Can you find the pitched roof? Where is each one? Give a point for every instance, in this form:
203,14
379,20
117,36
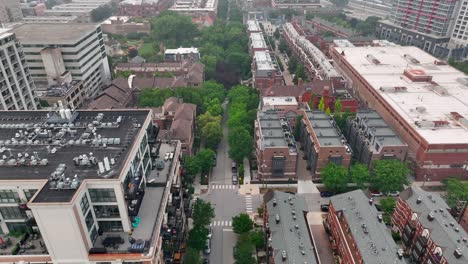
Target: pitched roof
185,112
116,95
181,129
137,59
171,104
284,90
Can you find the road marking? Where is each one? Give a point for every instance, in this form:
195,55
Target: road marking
222,187
221,223
248,204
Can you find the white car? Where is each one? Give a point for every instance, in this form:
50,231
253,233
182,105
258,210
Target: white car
376,194
166,157
393,194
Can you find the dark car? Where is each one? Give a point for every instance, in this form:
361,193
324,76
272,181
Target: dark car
326,194
324,207
206,261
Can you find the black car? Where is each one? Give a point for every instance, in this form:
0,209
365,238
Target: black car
206,261
326,194
324,207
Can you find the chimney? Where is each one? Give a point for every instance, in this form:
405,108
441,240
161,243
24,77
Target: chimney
299,82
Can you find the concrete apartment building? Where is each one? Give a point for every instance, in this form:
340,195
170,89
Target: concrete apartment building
80,8
122,25
50,19
143,8
380,8
429,233
265,71
371,138
276,149
358,232
287,230
421,98
70,94
18,91
424,24
56,52
10,11
81,197
322,142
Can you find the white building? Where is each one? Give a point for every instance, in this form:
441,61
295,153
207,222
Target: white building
56,51
195,7
460,30
16,85
94,199
80,8
49,19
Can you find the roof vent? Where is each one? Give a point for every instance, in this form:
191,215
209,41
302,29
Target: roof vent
430,216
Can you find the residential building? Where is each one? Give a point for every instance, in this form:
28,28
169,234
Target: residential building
265,71
315,62
276,149
253,27
33,8
289,237
285,107
331,94
358,232
70,94
16,85
118,95
143,8
97,202
429,233
49,19
371,138
196,8
424,24
269,27
407,87
257,43
297,5
69,49
177,120
121,25
322,142
379,8
181,54
10,11
80,8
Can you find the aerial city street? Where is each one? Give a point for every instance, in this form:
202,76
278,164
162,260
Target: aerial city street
234,131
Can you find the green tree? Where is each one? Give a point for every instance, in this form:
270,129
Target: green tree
389,175
276,34
340,3
213,106
191,167
197,237
132,52
174,30
338,106
456,191
328,112
101,13
341,117
50,3
205,159
298,127
206,118
257,237
292,65
283,46
387,205
242,223
359,174
321,105
244,250
212,134
202,213
240,144
334,177
192,256
123,74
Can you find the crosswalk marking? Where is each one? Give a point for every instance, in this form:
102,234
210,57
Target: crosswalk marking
221,223
223,187
248,204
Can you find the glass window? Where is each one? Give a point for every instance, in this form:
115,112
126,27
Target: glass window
94,234
110,226
89,220
12,212
9,196
102,195
29,193
106,211
84,204
17,227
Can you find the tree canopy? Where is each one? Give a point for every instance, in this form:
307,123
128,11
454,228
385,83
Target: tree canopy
101,13
192,256
240,144
174,30
456,191
197,237
242,223
359,174
202,213
389,175
335,177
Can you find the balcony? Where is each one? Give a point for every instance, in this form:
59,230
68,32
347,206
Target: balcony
435,258
25,244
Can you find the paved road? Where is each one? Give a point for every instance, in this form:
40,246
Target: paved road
227,201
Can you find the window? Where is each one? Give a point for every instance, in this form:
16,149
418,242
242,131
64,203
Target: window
89,220
110,226
102,195
12,212
9,196
106,211
84,204
17,227
29,193
94,234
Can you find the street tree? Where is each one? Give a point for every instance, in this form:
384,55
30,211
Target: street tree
389,175
101,13
244,248
359,174
202,213
387,205
191,168
197,237
242,223
192,256
257,237
205,159
206,118
213,106
335,177
240,144
174,30
212,134
457,191
338,106
321,105
276,34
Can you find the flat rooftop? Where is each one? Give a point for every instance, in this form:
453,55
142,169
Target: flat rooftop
263,61
443,229
252,25
325,129
275,131
436,109
257,41
51,34
280,100
41,145
291,233
373,240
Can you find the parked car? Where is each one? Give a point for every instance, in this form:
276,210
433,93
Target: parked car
376,193
207,249
166,156
234,179
210,232
234,251
393,194
326,194
206,261
324,207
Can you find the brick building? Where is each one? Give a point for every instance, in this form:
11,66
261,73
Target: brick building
276,148
429,233
143,8
421,98
257,43
358,232
322,141
121,25
265,71
371,138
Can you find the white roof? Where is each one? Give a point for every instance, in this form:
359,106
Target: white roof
279,100
124,19
263,61
420,104
181,51
342,43
252,25
257,41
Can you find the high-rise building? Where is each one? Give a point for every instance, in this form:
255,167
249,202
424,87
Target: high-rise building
57,53
16,85
460,29
427,24
10,11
